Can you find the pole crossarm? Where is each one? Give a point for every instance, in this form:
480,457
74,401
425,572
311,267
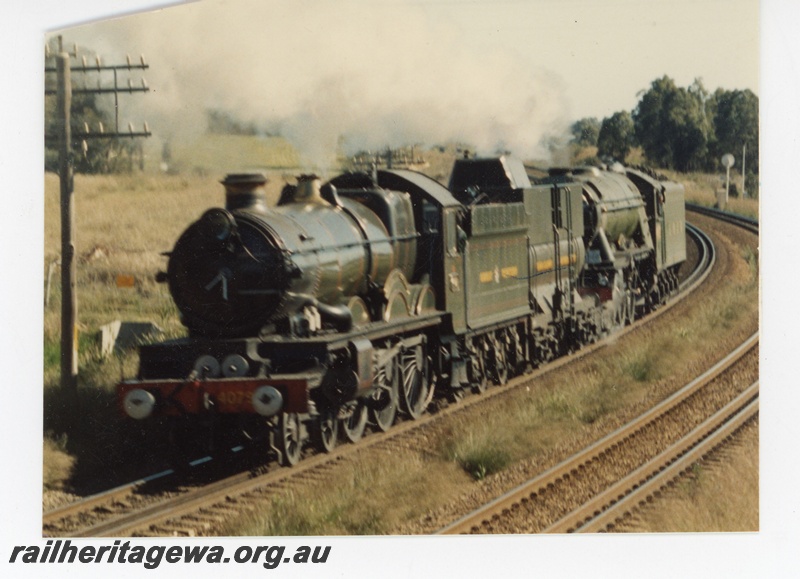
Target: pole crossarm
119,135
86,136
107,90
87,68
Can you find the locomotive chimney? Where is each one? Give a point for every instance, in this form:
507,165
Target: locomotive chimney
308,190
245,191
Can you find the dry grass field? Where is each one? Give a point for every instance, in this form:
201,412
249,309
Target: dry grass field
702,188
124,222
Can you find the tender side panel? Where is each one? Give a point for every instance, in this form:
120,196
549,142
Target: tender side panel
665,208
674,224
496,264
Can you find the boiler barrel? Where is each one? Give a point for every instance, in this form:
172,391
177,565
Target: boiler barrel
611,203
337,249
231,273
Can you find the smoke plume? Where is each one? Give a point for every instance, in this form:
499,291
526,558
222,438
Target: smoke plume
347,75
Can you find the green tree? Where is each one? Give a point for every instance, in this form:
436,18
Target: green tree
585,132
671,125
616,136
735,120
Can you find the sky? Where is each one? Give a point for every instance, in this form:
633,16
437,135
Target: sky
592,67
617,45
502,75
607,51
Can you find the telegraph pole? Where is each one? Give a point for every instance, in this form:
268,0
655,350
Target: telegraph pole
64,92
69,298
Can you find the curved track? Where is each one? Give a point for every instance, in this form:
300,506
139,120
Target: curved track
637,488
623,446
740,221
113,513
597,487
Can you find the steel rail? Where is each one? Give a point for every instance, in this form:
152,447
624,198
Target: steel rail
217,492
708,257
562,471
747,223
605,509
99,499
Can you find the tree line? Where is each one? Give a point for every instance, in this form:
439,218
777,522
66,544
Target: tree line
685,129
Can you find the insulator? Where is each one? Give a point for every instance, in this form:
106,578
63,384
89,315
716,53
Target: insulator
130,127
86,128
97,60
146,128
128,59
102,128
144,84
84,147
141,57
130,85
83,60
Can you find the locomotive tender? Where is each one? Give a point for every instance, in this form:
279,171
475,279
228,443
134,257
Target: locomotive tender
363,297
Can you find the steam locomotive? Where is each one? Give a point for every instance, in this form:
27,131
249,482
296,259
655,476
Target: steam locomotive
360,299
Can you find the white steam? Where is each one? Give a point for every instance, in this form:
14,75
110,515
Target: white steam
351,74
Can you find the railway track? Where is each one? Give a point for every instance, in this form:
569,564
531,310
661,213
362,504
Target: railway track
740,221
594,489
622,499
98,508
554,488
122,511
97,503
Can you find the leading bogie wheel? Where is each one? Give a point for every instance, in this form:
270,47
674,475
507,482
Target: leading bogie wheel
354,422
324,431
290,438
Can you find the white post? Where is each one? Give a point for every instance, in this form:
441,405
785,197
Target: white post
728,162
744,158
727,183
